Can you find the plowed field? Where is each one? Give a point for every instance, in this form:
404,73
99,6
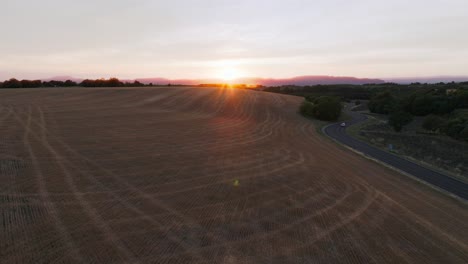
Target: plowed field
202,175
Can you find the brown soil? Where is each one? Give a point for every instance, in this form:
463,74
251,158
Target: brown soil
146,175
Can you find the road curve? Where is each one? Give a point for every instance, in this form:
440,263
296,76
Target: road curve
437,179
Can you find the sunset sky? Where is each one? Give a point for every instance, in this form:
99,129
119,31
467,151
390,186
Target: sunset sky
228,39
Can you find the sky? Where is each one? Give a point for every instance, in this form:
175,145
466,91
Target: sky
228,39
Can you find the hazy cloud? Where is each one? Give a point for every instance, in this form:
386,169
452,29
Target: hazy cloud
178,39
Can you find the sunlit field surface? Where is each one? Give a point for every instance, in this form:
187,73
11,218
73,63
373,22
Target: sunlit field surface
202,175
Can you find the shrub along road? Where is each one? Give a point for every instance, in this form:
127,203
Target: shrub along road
432,177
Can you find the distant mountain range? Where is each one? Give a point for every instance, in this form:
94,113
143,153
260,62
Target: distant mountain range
300,80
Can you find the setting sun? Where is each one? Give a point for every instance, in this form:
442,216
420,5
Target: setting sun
229,73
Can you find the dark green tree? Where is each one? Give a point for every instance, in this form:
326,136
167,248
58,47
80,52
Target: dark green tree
328,108
323,108
462,98
422,105
306,109
455,126
12,83
69,83
399,119
383,103
114,82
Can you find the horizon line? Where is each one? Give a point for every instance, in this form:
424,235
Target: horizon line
71,77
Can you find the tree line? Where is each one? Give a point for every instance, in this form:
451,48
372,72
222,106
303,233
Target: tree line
360,92
445,108
112,82
345,91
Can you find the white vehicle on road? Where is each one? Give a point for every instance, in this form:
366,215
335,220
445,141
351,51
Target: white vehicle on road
343,124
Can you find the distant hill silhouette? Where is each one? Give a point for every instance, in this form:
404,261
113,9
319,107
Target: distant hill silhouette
300,80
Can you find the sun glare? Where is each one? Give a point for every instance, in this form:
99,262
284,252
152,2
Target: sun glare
229,74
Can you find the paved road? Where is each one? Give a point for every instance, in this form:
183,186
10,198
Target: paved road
432,177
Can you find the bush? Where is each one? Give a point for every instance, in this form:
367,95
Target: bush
399,119
306,109
455,127
462,98
422,105
329,109
310,98
464,133
382,103
323,108
443,105
433,123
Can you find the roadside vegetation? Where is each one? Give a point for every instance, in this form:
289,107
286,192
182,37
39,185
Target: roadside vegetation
429,126
443,109
415,143
442,104
362,92
325,108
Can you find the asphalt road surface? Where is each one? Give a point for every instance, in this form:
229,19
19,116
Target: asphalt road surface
432,177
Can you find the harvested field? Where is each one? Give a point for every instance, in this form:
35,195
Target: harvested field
147,176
